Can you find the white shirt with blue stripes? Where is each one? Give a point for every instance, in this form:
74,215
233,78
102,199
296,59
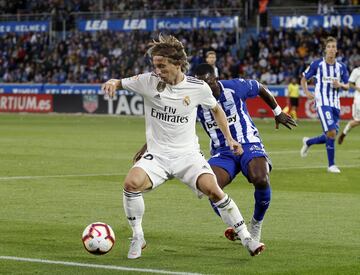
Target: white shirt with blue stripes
232,99
324,74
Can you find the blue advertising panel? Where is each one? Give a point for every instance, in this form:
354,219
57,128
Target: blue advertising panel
24,26
309,22
217,23
115,25
188,23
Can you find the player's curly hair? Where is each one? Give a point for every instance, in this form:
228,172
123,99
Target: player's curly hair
168,46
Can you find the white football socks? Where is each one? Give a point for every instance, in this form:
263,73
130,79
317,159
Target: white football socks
231,215
347,128
134,210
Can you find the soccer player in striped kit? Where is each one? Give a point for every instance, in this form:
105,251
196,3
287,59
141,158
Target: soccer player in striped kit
330,76
254,163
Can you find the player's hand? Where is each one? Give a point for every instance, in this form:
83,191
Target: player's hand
109,87
310,95
336,84
235,147
285,120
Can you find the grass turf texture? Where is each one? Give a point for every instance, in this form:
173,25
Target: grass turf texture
312,226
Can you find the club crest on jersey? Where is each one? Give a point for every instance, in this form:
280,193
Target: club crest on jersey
186,101
255,148
161,86
228,105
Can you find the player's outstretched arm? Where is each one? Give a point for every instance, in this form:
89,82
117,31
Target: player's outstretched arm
222,122
109,87
280,116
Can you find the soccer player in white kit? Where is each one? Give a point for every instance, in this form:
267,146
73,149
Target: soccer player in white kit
171,99
330,76
354,81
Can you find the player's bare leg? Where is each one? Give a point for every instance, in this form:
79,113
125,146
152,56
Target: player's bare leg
136,181
229,212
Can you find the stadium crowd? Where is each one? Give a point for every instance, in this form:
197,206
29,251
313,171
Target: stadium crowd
273,57
68,6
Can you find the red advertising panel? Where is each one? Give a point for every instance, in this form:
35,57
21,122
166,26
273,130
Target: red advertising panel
258,108
26,103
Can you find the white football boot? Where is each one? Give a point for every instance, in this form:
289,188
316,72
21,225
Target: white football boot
305,148
254,247
333,169
137,244
255,229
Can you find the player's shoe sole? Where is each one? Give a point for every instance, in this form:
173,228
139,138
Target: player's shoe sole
231,235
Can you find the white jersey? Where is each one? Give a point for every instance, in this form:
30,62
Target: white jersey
170,111
355,78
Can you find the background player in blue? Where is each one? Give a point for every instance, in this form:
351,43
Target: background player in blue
254,162
330,76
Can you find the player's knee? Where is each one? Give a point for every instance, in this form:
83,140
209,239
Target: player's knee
211,190
132,184
215,196
331,134
260,180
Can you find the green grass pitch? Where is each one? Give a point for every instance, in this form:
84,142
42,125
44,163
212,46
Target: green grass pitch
59,173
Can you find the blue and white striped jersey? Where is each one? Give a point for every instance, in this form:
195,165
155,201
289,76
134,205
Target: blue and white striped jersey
232,99
325,74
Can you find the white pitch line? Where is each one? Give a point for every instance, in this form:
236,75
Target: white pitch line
298,152
315,167
60,176
113,267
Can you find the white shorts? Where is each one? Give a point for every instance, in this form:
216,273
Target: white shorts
186,168
356,111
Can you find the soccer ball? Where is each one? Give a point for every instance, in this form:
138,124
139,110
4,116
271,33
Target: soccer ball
98,238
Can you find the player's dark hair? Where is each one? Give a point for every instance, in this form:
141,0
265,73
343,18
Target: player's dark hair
203,69
168,46
210,52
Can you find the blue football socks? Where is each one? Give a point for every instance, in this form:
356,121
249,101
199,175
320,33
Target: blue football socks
262,202
330,148
317,140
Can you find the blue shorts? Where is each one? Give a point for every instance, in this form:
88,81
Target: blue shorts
329,118
225,159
